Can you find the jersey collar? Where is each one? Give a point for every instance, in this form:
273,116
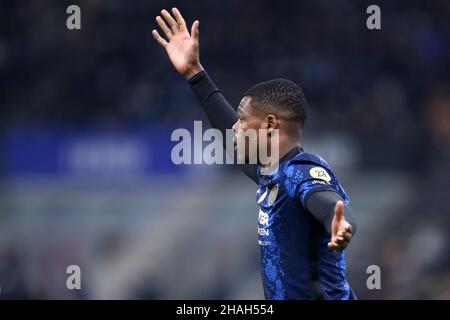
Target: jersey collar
270,172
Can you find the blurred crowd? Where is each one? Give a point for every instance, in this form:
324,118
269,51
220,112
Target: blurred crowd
388,89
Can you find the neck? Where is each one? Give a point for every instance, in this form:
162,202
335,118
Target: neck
286,144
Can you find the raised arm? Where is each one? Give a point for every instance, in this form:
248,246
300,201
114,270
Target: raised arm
182,48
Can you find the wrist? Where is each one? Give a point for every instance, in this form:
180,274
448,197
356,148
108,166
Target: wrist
193,71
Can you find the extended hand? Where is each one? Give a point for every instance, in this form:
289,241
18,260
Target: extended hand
340,228
181,47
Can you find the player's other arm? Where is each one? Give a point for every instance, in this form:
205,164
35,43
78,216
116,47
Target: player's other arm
182,48
328,207
318,196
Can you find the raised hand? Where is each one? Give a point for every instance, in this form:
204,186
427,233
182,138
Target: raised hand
181,47
341,230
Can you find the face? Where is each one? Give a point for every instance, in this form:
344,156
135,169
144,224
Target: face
250,121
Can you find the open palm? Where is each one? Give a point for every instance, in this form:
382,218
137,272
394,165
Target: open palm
181,47
341,230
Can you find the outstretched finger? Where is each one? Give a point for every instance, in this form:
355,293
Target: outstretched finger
194,30
164,27
337,245
333,246
179,18
158,38
339,210
171,21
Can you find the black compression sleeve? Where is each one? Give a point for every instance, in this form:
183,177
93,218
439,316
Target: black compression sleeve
321,205
219,112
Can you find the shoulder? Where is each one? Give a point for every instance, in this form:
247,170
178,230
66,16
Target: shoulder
306,167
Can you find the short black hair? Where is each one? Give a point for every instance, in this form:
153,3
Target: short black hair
280,93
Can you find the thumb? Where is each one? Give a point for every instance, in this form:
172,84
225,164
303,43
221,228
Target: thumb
339,210
194,30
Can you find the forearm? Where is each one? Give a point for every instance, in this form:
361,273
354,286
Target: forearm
219,112
321,205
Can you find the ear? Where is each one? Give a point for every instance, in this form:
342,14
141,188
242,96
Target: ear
272,122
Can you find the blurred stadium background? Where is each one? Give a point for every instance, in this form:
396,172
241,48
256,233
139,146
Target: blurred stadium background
85,126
